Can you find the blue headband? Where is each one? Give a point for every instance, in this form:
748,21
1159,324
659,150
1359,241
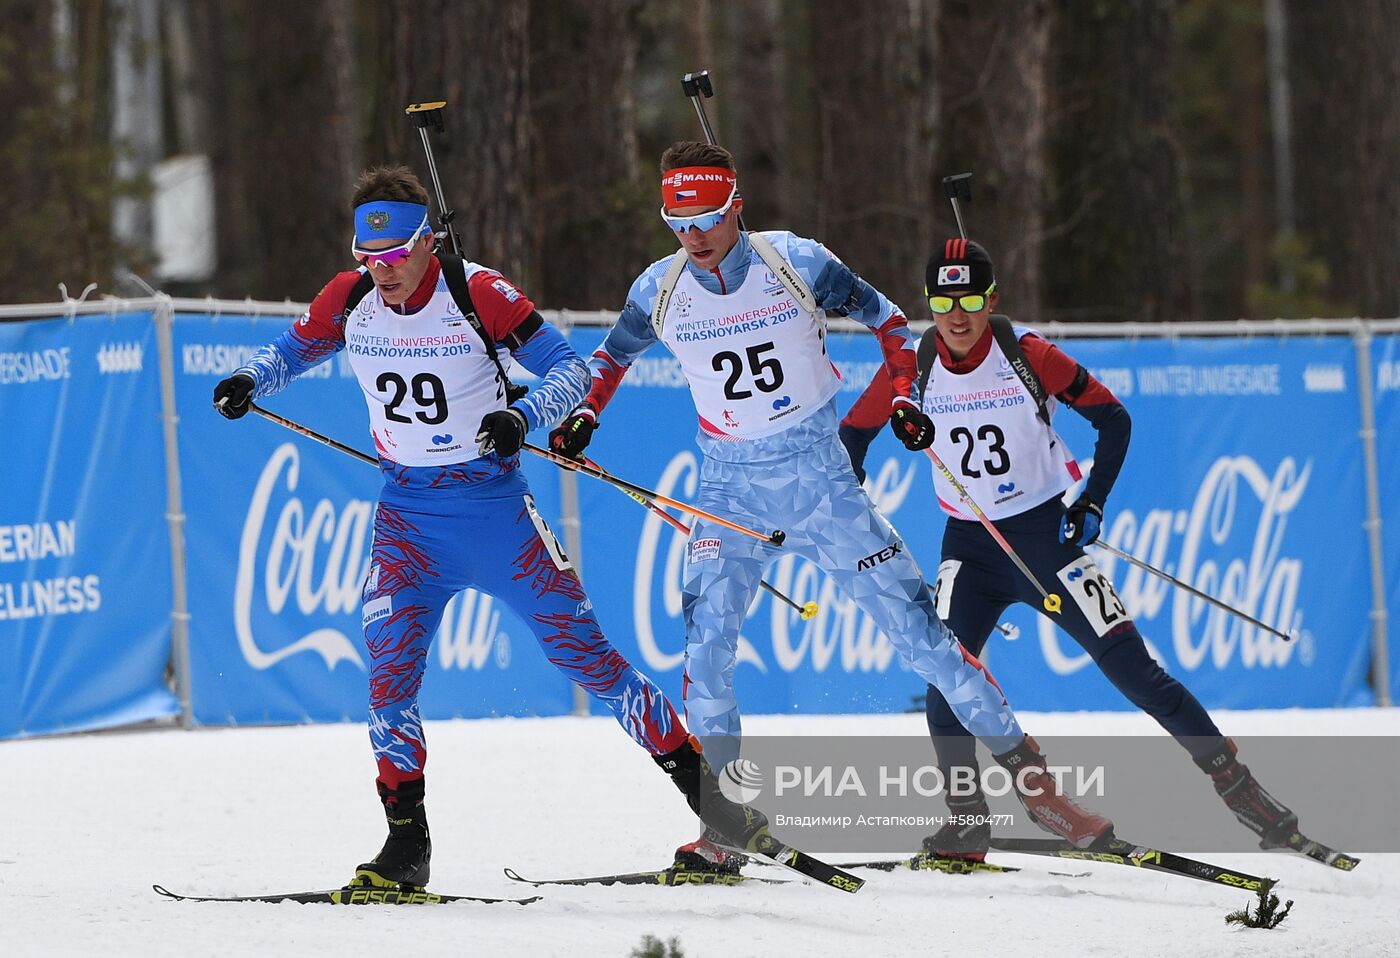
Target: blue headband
385,219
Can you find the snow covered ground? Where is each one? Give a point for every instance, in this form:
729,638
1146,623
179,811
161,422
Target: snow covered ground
92,821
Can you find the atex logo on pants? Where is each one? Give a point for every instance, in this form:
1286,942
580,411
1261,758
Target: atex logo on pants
884,555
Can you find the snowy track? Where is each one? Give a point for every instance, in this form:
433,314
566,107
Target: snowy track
92,821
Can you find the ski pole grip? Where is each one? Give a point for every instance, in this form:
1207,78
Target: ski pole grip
427,115
958,186
697,84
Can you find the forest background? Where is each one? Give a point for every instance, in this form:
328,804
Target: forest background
1148,160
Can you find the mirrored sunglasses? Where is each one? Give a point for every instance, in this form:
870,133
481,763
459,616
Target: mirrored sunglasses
704,222
970,302
391,257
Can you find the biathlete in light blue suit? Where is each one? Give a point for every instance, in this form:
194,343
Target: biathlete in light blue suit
745,314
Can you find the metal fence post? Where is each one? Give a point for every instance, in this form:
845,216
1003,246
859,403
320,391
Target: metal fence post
164,316
1380,651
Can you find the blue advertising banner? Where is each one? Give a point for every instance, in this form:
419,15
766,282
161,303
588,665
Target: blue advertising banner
1244,479
84,550
278,546
1385,359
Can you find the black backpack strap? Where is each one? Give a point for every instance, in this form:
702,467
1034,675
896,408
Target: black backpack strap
454,273
358,292
1011,348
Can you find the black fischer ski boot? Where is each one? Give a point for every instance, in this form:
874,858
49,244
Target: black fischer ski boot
966,832
727,823
1255,808
404,858
1047,806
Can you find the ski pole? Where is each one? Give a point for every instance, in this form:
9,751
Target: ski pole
564,462
1050,600
1286,636
697,88
808,610
298,428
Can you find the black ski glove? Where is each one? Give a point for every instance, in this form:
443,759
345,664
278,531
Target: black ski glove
572,436
1080,525
913,428
501,432
236,392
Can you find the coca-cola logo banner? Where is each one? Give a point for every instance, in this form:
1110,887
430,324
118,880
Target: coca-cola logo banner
1244,479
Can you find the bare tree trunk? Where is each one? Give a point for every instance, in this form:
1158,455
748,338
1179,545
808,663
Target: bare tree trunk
57,158
136,122
752,89
475,55
187,106
281,194
992,73
496,168
876,108
1116,242
590,195
1345,83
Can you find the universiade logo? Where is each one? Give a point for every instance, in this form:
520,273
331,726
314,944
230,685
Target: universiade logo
1230,544
319,559
840,637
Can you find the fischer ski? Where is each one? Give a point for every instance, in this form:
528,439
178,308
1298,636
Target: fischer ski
805,865
353,896
1118,852
1318,852
670,877
923,861
933,863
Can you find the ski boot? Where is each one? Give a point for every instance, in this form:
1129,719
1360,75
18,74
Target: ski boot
1047,805
708,854
736,826
966,833
403,861
1255,808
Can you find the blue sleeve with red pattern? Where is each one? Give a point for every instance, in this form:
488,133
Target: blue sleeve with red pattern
564,377
310,341
1073,385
